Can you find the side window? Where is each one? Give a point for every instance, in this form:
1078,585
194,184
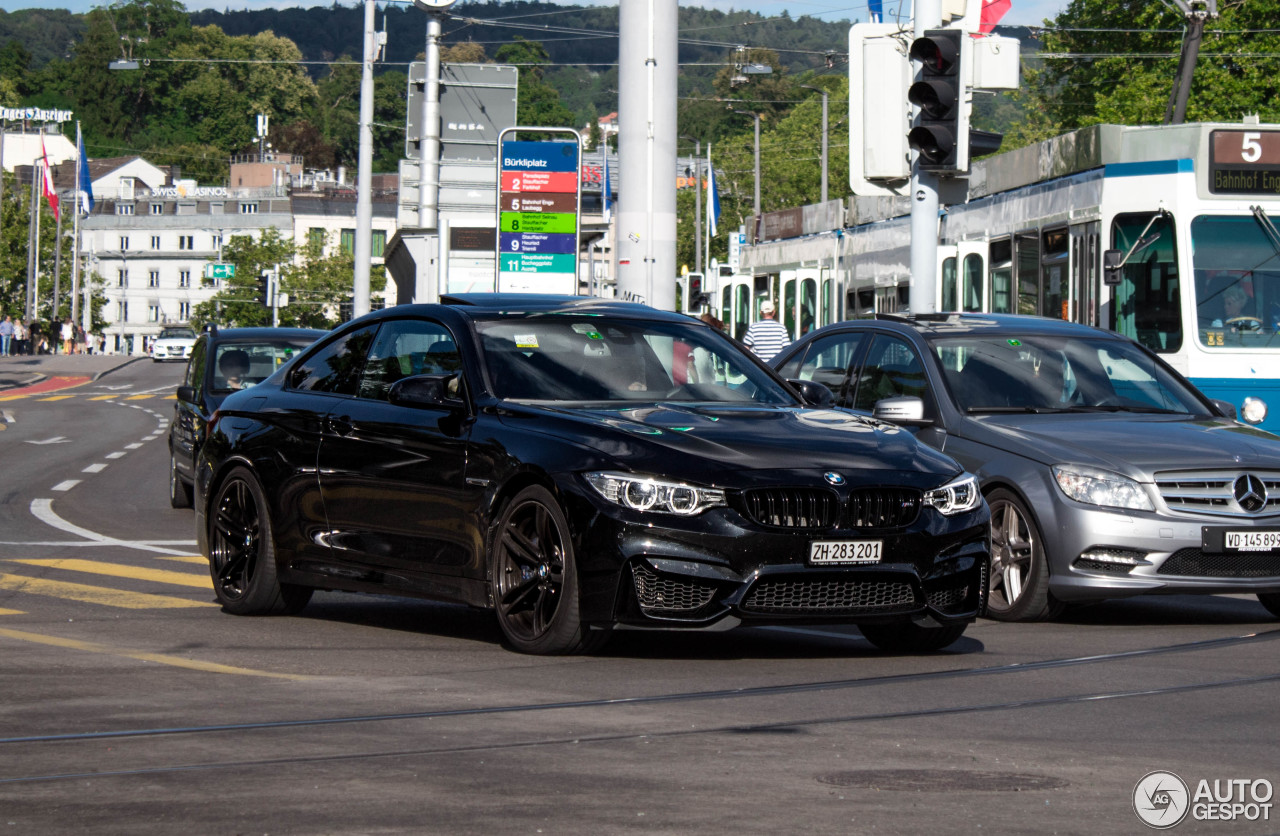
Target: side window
826,361
892,369
195,366
404,348
336,366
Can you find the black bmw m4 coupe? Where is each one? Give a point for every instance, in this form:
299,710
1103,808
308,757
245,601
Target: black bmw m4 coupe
581,465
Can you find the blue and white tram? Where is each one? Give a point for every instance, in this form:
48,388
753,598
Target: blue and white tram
1186,216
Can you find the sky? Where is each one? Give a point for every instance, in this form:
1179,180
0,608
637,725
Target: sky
1024,12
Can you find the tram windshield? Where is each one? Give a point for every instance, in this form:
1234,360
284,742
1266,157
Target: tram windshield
1237,281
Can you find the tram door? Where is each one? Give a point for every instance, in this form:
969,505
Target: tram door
1086,273
735,304
799,303
948,282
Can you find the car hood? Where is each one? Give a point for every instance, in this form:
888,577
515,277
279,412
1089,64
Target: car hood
1137,446
712,442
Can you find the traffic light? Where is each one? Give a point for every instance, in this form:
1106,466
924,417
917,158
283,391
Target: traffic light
264,288
940,132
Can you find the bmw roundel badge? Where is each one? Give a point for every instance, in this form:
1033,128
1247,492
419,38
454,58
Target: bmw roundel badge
833,478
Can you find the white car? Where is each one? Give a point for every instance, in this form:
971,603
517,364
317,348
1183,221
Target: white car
173,344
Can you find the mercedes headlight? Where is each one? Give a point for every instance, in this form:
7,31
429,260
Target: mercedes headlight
955,497
1101,487
648,493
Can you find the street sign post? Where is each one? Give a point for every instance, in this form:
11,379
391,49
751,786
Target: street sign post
539,212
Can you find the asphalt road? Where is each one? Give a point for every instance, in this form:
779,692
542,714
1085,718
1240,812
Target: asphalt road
132,704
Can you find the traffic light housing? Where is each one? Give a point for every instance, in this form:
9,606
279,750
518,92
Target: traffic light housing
264,288
879,116
940,132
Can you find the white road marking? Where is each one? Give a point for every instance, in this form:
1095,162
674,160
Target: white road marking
57,439
42,509
8,419
116,455
67,485
133,446
95,468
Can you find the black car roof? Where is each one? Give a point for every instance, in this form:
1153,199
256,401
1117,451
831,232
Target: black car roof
946,324
477,305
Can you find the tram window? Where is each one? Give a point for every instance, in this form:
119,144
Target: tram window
1002,276
808,304
726,305
789,306
1237,283
761,281
971,288
1027,245
1054,273
949,290
1148,300
825,304
741,311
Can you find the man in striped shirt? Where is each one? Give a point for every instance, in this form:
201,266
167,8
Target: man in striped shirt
767,337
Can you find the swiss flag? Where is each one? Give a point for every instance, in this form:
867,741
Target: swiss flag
47,181
992,11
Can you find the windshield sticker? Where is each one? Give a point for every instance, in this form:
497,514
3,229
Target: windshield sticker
1014,343
587,330
526,340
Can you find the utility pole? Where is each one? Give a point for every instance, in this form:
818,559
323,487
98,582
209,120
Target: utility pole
924,197
1196,12
824,137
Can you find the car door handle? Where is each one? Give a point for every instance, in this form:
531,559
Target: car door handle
340,426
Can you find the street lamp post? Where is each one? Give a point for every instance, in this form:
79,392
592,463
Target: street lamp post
824,137
697,196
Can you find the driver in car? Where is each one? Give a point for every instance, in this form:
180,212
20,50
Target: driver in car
234,365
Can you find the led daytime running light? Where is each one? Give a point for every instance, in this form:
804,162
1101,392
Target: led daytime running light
955,497
647,493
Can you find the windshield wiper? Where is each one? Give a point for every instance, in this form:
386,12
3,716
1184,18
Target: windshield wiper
1268,228
1005,410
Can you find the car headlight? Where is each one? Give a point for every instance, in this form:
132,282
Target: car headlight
955,497
647,493
1100,487
1253,410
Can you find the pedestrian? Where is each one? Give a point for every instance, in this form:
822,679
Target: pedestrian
6,335
68,335
715,323
21,337
766,337
80,340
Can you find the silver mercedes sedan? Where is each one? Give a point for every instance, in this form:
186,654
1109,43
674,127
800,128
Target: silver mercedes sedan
1107,473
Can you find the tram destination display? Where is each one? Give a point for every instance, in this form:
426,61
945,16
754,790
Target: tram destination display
1244,162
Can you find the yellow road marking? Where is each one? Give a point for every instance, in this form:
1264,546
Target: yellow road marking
138,397
117,570
57,398
187,558
11,612
144,656
97,594
103,397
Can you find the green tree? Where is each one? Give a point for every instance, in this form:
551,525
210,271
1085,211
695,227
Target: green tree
1115,62
539,102
236,304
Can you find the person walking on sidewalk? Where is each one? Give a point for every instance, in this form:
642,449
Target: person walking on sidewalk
68,336
6,336
21,337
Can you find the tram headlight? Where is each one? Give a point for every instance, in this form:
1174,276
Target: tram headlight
1253,410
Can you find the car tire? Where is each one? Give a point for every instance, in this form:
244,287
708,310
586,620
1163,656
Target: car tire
534,578
909,637
179,491
1270,600
1018,589
242,554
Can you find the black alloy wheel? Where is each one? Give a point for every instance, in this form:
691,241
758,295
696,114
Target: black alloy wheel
534,576
1019,584
242,558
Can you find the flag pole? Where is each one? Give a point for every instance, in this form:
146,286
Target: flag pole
75,235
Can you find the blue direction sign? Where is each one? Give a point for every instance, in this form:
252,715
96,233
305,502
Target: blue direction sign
538,242
540,156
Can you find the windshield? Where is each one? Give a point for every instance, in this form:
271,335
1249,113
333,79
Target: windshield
1237,282
1056,374
594,358
177,334
241,365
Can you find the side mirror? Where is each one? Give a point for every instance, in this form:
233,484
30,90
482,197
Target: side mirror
902,410
1225,408
1112,264
431,391
187,394
814,393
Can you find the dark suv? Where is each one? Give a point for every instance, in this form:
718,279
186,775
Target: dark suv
222,362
